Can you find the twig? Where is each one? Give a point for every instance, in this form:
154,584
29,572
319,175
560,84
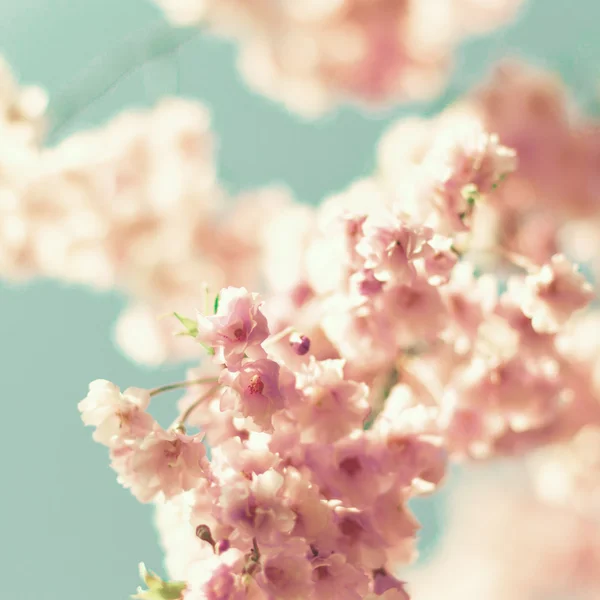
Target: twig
182,384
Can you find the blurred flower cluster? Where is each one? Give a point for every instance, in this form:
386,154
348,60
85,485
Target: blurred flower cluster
312,54
428,315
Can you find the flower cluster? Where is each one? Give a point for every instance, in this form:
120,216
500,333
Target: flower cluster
311,55
383,284
298,500
430,312
550,202
389,353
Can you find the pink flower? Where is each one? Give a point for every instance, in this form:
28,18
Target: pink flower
257,385
416,310
330,406
216,578
362,335
336,579
512,397
349,470
313,514
255,506
249,457
164,462
397,526
553,294
390,248
238,327
286,572
440,261
460,163
465,162
358,538
418,459
218,424
118,417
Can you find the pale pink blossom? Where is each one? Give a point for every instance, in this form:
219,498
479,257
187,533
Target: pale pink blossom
440,260
219,425
359,538
250,456
465,163
313,514
258,392
397,526
416,312
352,469
216,578
119,418
336,579
237,328
329,406
391,248
286,572
361,334
163,463
256,507
551,296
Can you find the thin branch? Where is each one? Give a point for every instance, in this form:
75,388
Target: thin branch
180,422
182,384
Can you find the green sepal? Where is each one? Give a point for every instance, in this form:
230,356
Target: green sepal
157,588
191,327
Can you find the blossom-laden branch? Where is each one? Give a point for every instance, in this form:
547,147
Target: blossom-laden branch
315,453
311,465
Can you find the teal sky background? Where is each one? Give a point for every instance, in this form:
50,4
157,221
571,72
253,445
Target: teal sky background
67,530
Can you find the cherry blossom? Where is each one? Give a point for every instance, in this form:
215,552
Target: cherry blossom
238,327
163,462
118,417
551,296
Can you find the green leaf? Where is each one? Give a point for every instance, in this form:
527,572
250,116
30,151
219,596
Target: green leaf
191,327
157,588
216,306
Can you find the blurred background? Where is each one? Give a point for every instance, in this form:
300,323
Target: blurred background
68,530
